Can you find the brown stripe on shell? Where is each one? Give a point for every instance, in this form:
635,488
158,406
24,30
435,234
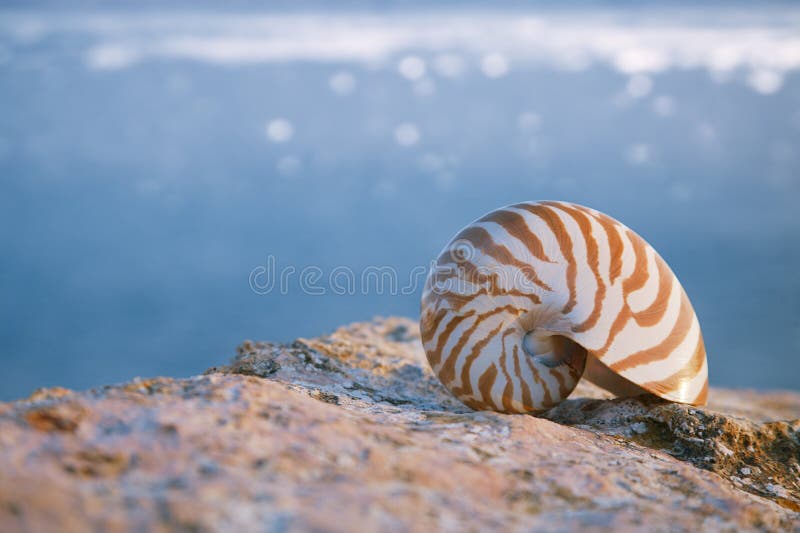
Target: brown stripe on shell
527,402
615,245
593,258
485,384
657,309
447,372
563,391
547,400
482,240
435,356
638,277
688,372
564,243
633,282
508,391
664,348
457,301
430,324
466,383
702,396
515,225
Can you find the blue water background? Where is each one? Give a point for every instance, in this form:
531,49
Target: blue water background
137,196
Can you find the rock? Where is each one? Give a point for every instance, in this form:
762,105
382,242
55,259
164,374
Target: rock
353,431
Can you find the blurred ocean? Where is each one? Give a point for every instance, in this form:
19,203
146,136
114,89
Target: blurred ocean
150,160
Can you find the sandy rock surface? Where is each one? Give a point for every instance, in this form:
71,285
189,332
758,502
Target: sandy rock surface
352,431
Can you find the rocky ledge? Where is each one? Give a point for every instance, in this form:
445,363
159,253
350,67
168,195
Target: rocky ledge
352,431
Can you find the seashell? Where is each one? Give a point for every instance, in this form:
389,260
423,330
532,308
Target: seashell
529,298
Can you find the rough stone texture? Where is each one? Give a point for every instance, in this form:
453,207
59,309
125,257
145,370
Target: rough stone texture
353,432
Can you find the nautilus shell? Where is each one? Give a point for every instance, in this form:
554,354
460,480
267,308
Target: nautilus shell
526,300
